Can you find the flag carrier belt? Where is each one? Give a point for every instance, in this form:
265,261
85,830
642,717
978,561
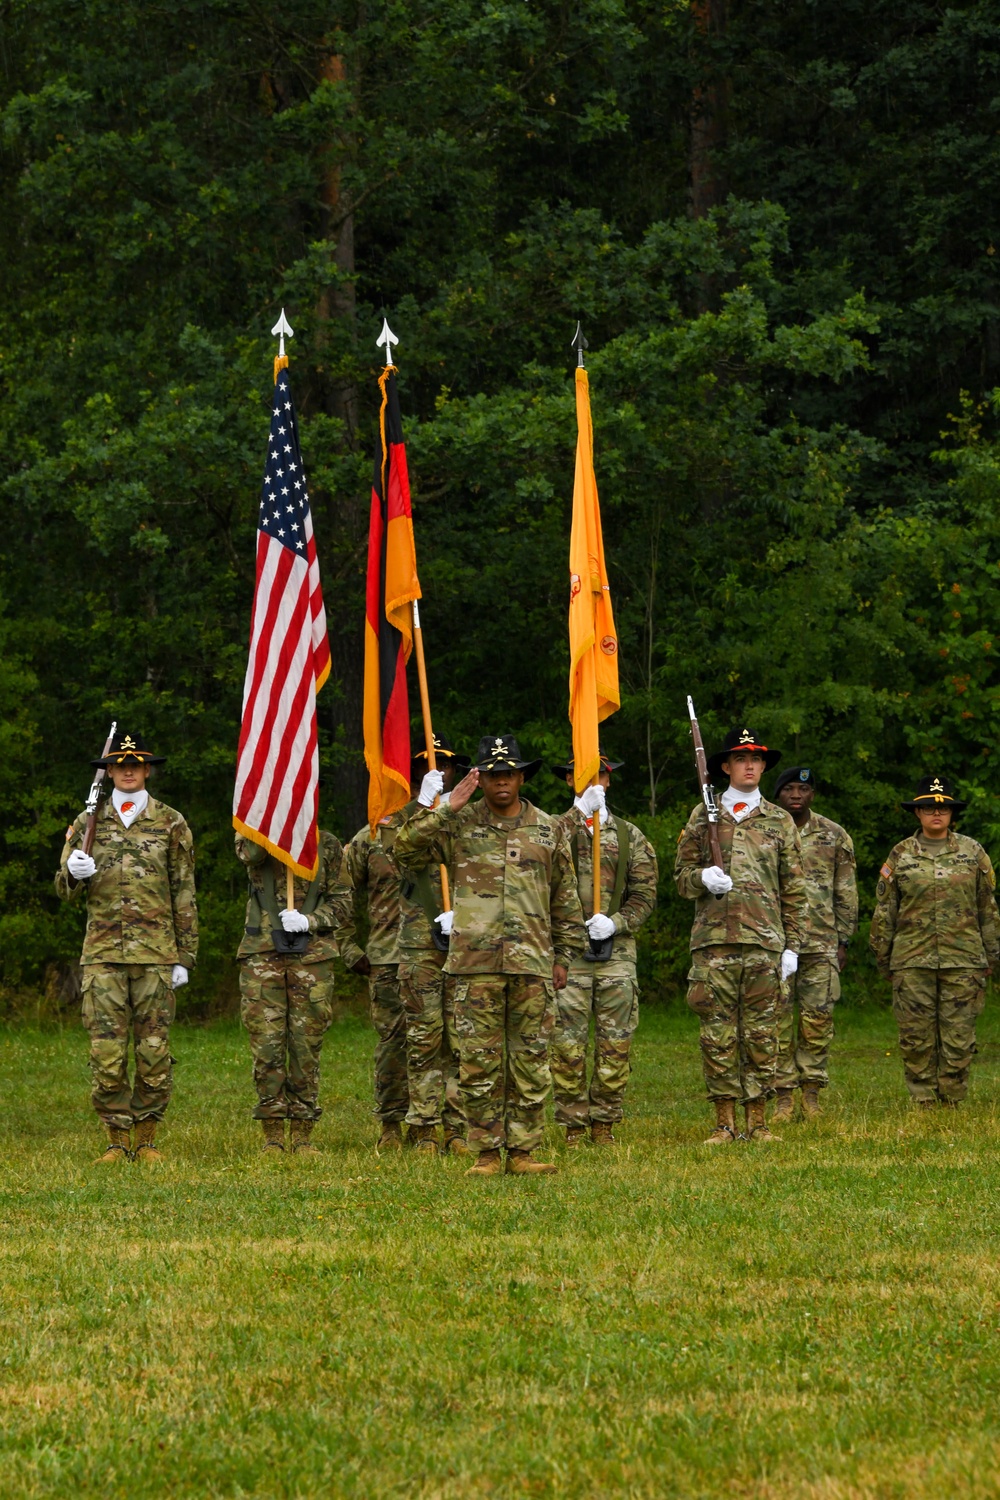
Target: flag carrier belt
600,950
284,942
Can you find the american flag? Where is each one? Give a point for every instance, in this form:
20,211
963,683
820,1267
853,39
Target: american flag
276,802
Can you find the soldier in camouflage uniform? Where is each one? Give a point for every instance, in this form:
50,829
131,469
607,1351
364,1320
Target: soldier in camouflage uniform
375,882
934,934
141,943
746,933
828,866
517,924
427,992
607,989
287,982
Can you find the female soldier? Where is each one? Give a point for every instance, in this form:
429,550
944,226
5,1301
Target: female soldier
934,935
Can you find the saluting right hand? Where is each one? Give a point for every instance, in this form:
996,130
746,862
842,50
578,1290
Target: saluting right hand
81,866
461,794
716,880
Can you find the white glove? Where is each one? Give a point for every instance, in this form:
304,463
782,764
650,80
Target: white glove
430,788
80,865
716,880
599,926
178,976
592,800
294,921
445,921
789,964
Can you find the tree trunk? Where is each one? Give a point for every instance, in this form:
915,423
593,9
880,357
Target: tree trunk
709,110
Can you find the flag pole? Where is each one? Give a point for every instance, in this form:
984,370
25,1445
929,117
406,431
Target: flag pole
280,329
580,344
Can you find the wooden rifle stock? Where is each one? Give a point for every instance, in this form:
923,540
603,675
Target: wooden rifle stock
707,789
93,795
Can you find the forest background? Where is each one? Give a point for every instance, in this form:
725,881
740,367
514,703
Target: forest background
778,223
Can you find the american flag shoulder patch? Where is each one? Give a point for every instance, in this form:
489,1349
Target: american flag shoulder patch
885,872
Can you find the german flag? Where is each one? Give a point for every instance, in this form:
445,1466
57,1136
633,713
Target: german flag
392,587
593,641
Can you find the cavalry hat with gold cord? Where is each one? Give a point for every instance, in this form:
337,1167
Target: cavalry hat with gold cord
742,739
934,792
129,747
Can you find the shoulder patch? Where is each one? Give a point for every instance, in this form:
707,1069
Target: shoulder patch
69,833
885,872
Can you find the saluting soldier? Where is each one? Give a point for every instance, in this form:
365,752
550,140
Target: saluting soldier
607,988
935,936
427,992
375,882
745,939
287,984
517,922
140,946
829,868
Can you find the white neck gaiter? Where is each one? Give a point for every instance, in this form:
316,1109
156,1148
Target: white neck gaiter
740,804
128,805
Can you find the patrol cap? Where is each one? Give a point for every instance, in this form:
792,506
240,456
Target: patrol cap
742,739
934,792
794,773
128,747
501,752
606,762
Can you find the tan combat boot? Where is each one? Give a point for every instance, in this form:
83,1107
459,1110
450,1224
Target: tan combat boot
119,1146
145,1151
810,1101
274,1135
601,1133
784,1102
575,1135
757,1126
520,1163
424,1138
487,1164
300,1131
455,1144
391,1138
725,1123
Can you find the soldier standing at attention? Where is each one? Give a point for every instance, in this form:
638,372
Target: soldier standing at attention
828,866
375,881
934,935
427,992
606,989
745,938
517,922
286,984
141,943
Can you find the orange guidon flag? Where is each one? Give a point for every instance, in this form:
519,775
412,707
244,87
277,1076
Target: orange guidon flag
392,587
593,643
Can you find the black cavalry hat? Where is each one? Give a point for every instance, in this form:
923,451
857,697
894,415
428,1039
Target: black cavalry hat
128,747
501,752
801,774
443,750
606,762
742,739
934,792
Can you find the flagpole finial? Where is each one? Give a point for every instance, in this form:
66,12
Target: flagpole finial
279,330
579,343
388,338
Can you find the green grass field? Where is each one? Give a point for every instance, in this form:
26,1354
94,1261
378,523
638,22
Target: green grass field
816,1318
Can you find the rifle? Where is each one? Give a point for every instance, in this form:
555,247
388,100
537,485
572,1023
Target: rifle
94,794
707,790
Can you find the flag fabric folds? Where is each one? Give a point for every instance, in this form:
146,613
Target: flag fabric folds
392,587
276,801
593,641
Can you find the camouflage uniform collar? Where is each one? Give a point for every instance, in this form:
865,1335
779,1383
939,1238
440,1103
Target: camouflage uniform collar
528,814
949,842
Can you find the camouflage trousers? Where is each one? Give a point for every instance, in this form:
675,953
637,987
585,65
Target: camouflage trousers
504,1024
392,1093
614,1004
815,988
428,996
122,1001
936,1012
735,991
287,1007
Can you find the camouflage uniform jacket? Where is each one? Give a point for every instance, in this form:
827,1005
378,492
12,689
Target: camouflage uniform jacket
638,900
331,922
514,894
936,908
762,854
828,865
414,925
374,876
141,906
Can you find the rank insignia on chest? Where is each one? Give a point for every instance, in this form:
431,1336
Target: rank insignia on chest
514,854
